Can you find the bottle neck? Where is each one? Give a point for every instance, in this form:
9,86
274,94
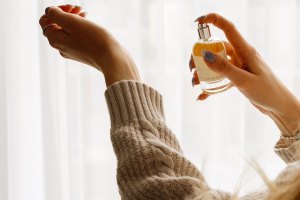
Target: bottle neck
203,31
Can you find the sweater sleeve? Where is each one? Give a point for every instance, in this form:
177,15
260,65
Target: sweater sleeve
151,164
288,150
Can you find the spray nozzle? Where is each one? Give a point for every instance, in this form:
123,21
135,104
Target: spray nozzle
204,31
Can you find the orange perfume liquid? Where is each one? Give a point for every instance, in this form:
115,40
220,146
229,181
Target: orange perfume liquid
210,81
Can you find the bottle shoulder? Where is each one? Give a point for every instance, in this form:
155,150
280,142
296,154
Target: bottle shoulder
212,39
212,44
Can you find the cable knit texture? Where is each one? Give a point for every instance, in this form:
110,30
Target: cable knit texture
151,164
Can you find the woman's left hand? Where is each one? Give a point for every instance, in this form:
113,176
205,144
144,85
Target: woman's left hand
252,76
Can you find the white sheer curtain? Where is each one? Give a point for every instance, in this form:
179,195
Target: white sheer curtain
54,126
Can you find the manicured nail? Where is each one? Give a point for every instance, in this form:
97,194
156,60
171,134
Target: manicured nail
208,56
83,14
202,96
193,81
191,65
46,10
72,6
200,18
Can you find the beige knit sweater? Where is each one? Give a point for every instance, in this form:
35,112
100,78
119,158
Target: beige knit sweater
151,164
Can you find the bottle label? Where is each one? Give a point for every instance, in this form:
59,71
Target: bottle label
204,72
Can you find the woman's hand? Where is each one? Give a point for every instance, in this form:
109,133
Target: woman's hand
81,40
251,75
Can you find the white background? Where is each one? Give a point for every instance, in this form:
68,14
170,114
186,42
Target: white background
54,124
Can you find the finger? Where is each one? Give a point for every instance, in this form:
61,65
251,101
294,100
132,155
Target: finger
57,38
76,10
195,79
67,8
55,34
83,14
192,63
218,64
242,47
202,96
229,48
63,54
51,27
45,23
231,52
63,19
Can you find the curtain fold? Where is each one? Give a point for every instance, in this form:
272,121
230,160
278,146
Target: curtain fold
54,124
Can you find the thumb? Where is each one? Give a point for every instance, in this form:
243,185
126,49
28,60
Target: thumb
225,68
62,18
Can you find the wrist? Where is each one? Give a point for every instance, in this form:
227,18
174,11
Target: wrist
115,76
289,121
119,66
103,56
116,64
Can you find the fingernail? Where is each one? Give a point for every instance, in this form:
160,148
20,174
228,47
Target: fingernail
208,56
200,18
193,81
85,13
202,96
191,65
46,10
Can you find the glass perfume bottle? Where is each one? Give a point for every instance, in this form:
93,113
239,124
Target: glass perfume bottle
210,81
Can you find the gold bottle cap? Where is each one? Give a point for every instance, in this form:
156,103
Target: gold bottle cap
204,31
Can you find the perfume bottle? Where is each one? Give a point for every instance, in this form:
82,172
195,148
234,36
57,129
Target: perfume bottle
210,81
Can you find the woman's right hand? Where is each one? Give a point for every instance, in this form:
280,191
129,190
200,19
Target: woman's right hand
248,71
79,39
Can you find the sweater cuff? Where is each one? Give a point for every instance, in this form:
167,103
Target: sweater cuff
288,152
130,100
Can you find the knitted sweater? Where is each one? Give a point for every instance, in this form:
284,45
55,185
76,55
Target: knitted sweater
151,164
